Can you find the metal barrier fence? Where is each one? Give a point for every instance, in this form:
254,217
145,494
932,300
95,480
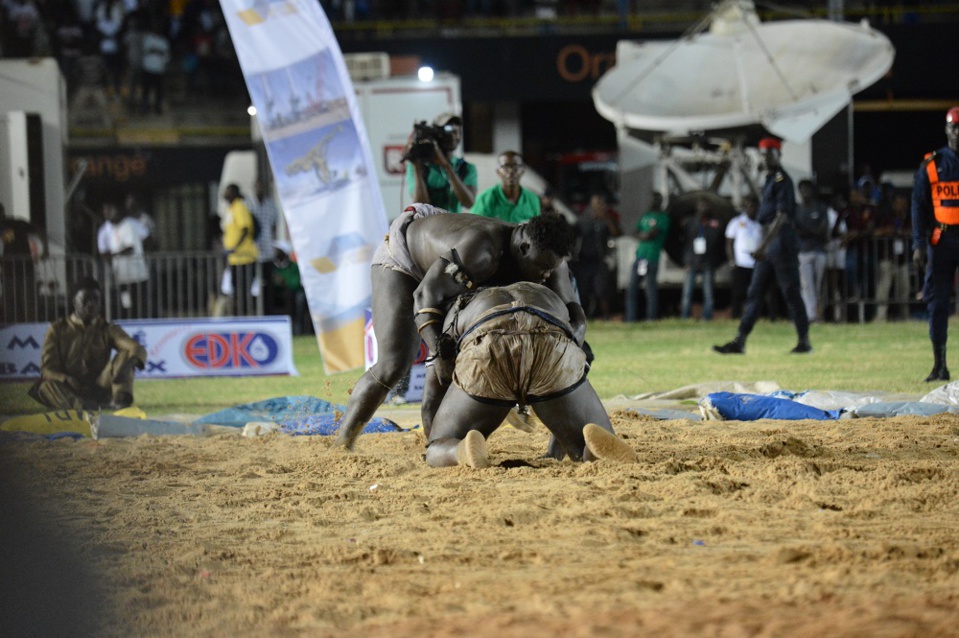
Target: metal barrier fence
871,279
163,284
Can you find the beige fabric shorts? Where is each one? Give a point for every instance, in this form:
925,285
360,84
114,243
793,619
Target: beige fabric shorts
518,358
393,253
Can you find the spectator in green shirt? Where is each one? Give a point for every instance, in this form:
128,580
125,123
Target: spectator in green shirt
651,230
443,180
508,201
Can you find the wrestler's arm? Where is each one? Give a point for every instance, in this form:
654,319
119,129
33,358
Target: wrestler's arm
559,282
448,277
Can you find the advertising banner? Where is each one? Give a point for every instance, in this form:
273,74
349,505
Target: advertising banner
176,348
320,156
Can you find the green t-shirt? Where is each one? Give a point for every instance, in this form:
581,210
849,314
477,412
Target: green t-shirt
438,185
493,203
651,248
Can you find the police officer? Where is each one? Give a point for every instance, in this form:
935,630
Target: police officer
935,234
777,255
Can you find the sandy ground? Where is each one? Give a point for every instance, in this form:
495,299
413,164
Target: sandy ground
766,528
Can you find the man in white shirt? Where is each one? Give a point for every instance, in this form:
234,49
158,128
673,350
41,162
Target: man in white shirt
156,57
119,242
743,234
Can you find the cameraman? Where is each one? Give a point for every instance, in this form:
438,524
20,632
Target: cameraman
439,178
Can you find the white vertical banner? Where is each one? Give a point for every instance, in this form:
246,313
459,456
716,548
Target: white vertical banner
320,155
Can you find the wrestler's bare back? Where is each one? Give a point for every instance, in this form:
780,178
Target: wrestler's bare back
523,293
478,240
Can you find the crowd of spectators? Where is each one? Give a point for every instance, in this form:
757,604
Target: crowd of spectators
120,51
854,256
350,11
359,10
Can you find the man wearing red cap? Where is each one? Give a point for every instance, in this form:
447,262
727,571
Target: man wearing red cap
935,234
777,255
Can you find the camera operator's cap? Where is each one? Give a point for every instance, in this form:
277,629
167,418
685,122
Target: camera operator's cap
770,142
952,115
448,118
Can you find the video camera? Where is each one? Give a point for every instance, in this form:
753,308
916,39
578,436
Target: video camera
424,134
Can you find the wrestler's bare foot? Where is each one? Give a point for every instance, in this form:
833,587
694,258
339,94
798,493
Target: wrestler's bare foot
345,440
472,451
607,446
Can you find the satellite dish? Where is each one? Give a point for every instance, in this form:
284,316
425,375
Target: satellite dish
789,76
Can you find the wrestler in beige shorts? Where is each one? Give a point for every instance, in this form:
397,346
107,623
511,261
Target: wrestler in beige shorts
514,345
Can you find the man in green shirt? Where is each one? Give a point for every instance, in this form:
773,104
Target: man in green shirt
651,230
508,201
442,180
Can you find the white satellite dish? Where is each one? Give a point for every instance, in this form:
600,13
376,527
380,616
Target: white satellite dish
789,76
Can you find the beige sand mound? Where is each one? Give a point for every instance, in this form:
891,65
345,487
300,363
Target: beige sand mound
767,528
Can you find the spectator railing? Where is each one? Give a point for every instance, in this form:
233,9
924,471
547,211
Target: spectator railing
180,284
872,279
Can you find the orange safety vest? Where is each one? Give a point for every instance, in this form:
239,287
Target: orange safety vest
945,195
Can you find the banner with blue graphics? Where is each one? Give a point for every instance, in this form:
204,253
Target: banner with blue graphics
320,156
175,348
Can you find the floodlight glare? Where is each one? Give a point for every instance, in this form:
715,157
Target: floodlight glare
251,110
425,73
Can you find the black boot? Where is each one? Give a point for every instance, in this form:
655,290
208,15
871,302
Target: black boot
736,346
802,347
939,370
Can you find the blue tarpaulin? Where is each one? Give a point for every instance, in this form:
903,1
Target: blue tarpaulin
751,407
294,414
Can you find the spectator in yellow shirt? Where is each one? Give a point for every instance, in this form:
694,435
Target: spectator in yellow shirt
239,242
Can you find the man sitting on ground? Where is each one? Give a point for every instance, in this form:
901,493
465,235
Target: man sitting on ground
77,369
515,345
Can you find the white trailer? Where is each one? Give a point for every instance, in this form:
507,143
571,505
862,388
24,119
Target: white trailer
33,134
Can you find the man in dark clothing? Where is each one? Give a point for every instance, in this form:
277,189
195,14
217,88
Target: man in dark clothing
812,228
703,250
594,228
777,255
935,234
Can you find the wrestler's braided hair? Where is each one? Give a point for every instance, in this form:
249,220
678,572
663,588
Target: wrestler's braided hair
550,231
